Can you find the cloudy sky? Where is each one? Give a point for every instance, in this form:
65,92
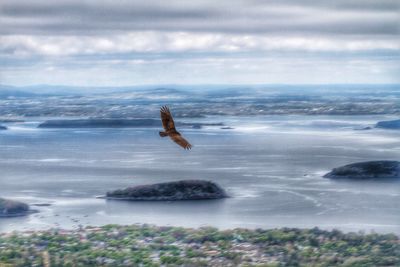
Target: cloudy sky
120,42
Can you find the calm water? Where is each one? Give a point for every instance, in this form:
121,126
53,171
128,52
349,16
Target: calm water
270,166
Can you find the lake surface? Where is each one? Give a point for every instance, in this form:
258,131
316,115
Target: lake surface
271,166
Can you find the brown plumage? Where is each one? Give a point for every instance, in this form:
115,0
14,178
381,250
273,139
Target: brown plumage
169,127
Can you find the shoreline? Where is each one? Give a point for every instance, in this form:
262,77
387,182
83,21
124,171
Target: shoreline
81,227
346,229
19,214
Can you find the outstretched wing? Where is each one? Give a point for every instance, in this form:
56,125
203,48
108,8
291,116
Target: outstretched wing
177,138
166,118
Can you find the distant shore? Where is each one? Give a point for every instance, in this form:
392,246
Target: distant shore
117,245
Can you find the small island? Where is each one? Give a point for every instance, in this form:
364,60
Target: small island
116,123
100,123
11,208
367,170
3,127
393,124
170,191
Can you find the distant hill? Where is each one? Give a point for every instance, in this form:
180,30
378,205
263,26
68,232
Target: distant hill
199,101
224,90
10,91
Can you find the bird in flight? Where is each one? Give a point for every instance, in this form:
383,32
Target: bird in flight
169,127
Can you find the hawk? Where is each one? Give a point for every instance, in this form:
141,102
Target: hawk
169,127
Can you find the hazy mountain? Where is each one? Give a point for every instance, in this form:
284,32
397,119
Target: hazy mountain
198,101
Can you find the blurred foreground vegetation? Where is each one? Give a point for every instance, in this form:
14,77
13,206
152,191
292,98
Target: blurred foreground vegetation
144,245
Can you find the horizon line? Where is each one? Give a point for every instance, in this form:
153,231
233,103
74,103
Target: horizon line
199,84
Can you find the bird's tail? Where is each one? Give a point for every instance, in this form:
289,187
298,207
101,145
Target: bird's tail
163,134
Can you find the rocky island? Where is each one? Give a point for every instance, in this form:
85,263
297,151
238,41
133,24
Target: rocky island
115,123
170,191
99,123
3,127
11,208
367,170
394,124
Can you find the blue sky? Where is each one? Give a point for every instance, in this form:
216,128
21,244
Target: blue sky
118,43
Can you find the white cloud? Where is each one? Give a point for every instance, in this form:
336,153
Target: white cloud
199,41
160,42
